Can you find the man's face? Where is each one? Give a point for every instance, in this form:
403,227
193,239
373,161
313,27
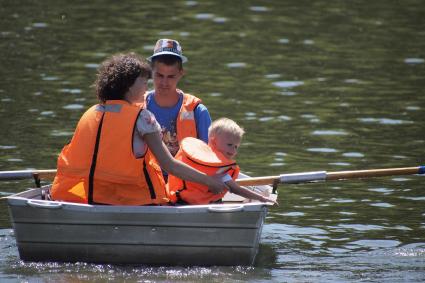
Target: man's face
166,78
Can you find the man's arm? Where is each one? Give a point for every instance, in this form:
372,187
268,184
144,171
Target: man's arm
203,122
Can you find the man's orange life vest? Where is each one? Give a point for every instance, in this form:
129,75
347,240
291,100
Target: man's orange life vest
185,123
199,155
98,165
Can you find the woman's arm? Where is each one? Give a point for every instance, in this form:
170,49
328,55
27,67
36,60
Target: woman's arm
247,193
178,168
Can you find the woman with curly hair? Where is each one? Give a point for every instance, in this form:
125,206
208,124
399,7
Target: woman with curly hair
116,153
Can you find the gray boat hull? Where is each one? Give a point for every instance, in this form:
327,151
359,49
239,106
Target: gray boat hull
202,235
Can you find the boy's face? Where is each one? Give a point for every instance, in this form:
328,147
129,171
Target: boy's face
227,144
166,78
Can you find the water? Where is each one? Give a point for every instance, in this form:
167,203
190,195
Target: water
317,85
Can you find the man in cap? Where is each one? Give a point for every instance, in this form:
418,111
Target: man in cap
179,114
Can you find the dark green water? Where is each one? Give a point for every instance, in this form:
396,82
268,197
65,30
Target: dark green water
317,85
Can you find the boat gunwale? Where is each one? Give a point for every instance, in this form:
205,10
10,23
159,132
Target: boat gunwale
22,199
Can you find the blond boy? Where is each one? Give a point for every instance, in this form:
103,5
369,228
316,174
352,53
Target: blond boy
217,157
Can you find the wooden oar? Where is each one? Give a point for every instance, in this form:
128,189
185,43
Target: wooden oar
306,177
292,178
28,174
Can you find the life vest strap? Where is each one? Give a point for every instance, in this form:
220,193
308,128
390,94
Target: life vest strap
94,159
149,181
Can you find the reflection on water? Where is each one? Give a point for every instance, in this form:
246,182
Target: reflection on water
317,85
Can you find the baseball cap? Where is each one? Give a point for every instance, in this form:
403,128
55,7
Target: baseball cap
167,46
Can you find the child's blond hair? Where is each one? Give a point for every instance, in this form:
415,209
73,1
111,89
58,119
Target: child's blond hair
225,125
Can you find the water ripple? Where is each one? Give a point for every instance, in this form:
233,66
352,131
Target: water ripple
288,84
347,213
73,107
400,179
322,149
330,133
276,164
236,65
308,42
49,78
339,163
361,227
148,47
58,133
265,119
91,65
376,243
40,25
272,76
220,20
292,214
204,16
166,32
353,154
352,81
340,200
71,90
258,9
283,40
414,60
413,108
8,146
413,198
295,230
47,113
288,93
382,204
14,159
381,190
384,121
191,3
284,118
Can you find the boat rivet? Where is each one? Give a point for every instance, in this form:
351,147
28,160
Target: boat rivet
153,230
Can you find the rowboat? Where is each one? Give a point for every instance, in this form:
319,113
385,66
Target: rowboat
200,235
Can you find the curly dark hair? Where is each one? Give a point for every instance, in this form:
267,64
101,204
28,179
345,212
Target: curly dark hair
118,73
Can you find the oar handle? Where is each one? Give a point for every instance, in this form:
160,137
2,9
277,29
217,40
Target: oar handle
27,174
356,174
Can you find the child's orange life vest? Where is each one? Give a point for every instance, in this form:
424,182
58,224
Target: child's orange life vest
199,155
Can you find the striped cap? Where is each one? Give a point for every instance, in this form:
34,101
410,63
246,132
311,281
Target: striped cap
168,47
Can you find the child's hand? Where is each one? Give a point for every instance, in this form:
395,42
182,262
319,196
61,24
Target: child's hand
266,199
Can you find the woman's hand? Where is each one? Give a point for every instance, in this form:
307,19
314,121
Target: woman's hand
216,184
178,168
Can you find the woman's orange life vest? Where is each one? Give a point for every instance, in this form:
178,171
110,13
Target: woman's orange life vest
201,156
185,123
98,165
